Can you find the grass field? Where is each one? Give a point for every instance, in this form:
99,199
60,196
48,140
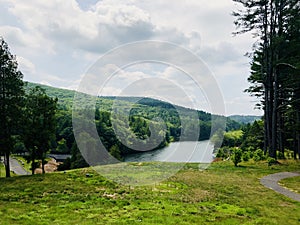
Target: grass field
292,184
222,194
2,170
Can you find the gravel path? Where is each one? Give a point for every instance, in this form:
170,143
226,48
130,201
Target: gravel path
16,167
272,180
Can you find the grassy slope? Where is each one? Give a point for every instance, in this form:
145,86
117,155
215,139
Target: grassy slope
220,195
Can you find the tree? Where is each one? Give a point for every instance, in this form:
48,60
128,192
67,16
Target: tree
276,24
11,95
236,156
39,124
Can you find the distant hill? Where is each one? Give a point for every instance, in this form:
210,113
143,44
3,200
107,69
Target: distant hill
244,119
142,105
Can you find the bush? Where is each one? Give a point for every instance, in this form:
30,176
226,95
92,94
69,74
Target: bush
236,156
246,156
223,153
259,155
272,161
280,155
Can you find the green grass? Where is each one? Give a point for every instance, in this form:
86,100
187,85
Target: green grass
222,194
2,170
292,183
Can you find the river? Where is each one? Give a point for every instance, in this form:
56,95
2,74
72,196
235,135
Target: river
197,152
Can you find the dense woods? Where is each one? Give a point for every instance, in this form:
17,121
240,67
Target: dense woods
275,67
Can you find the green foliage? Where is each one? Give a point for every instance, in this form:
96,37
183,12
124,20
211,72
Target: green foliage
11,99
246,156
39,124
271,161
62,146
233,138
280,155
275,66
253,137
77,161
236,156
115,152
223,152
259,155
245,119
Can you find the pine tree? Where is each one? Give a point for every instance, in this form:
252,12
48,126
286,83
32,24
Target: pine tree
11,95
276,24
39,125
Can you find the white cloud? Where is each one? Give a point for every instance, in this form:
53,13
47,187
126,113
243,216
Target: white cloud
64,39
26,66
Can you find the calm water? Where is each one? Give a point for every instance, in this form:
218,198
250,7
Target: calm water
201,151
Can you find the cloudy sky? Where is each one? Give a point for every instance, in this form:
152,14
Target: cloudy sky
57,43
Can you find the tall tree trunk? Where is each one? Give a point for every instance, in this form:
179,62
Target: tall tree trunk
295,145
281,141
7,165
298,135
32,163
274,117
43,165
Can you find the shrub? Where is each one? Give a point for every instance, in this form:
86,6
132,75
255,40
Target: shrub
246,156
271,161
280,155
259,155
236,156
223,153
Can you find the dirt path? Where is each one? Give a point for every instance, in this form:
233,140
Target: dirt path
272,180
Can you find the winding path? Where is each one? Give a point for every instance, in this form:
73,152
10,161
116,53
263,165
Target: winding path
271,181
16,167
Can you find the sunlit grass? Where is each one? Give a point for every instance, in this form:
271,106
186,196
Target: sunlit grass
222,194
292,183
2,170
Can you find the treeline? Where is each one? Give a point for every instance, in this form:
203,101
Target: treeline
248,144
27,118
275,69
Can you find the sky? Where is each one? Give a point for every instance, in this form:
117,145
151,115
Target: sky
61,42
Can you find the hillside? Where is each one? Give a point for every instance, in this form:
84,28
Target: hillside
176,123
65,100
244,119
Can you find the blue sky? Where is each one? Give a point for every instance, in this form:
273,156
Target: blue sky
57,42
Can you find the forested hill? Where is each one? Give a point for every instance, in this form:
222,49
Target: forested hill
244,119
65,101
142,114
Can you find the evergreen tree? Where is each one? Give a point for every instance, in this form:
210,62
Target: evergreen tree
11,95
39,125
276,24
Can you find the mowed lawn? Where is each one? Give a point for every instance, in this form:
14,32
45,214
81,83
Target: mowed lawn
222,194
